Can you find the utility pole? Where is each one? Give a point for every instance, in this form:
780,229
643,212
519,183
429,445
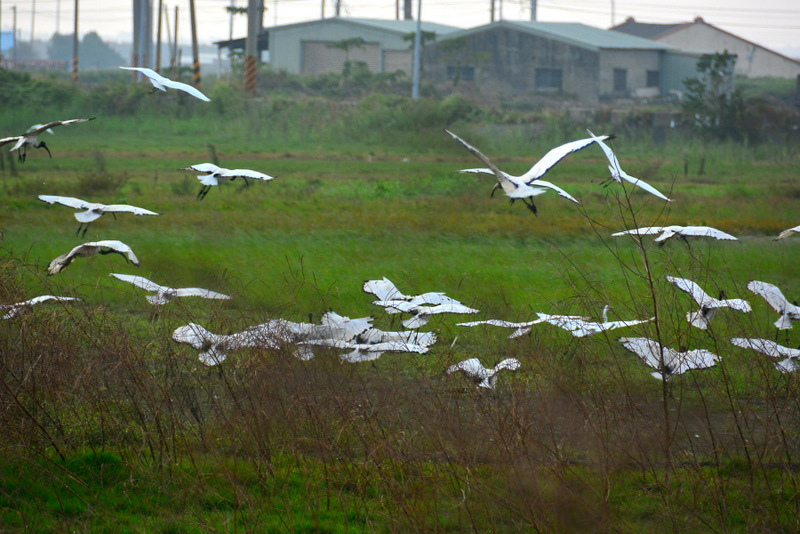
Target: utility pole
169,36
338,8
196,79
158,36
251,45
533,10
407,10
58,15
491,9
14,19
33,18
417,52
75,47
175,61
322,15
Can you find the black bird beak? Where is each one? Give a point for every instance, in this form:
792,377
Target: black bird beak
44,146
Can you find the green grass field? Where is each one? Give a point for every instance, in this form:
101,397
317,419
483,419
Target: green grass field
108,424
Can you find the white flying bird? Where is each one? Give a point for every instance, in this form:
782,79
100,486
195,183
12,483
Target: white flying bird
90,249
530,184
618,174
580,327
483,377
31,137
164,294
12,310
93,210
422,313
682,232
362,352
708,304
772,294
787,233
160,82
213,175
666,361
214,348
667,232
520,329
788,364
385,290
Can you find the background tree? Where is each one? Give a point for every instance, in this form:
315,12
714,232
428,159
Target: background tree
94,52
716,106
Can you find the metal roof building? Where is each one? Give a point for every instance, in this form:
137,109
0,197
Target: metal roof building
514,59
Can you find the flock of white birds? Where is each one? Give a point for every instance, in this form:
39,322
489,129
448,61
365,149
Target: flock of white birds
360,340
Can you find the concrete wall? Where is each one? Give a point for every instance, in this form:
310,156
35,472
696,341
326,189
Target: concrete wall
287,43
505,61
636,63
752,59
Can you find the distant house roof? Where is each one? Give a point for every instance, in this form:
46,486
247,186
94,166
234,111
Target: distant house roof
400,27
576,34
647,30
239,44
388,25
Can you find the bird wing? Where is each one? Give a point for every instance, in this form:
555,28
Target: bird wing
383,289
128,209
396,306
140,282
512,364
771,293
737,304
7,140
155,78
704,231
782,235
645,230
199,292
194,335
495,322
207,168
471,366
246,173
648,350
693,359
44,127
180,86
618,174
72,202
343,327
43,298
684,284
550,185
555,155
766,346
448,307
115,245
502,178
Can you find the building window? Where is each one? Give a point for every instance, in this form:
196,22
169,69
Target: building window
620,80
464,73
653,78
548,79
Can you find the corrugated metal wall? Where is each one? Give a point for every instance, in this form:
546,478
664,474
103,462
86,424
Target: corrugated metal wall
318,57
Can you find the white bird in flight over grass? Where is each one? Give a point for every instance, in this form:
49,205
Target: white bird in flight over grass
580,327
520,329
668,362
164,294
31,137
161,83
214,175
790,357
530,184
618,174
421,313
789,312
483,377
787,233
385,290
90,249
93,210
12,310
667,232
708,304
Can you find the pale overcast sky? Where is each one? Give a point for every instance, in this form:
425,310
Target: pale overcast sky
771,23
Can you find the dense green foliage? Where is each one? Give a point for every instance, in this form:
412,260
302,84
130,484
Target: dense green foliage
107,424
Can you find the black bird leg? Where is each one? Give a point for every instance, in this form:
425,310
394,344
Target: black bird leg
531,206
